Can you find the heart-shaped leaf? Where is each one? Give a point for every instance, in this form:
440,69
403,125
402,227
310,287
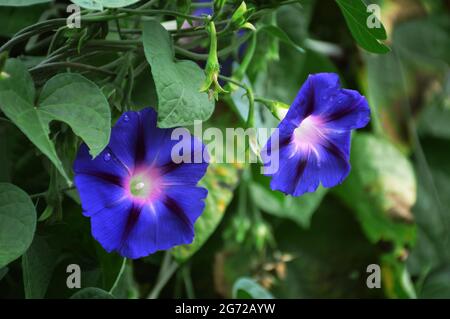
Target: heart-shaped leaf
17,222
177,83
69,98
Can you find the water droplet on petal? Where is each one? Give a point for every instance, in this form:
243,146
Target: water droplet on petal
107,157
126,118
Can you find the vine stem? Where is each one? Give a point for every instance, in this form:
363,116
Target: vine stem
71,65
119,275
37,195
168,268
164,12
186,272
251,99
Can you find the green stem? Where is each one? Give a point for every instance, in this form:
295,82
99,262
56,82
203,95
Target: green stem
44,26
53,65
119,31
119,275
188,281
251,99
42,194
231,80
251,107
165,273
201,5
240,72
163,12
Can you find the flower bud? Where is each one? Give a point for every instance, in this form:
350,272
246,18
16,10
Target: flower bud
240,16
277,108
212,69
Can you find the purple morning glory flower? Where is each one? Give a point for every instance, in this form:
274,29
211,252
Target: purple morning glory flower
314,137
138,199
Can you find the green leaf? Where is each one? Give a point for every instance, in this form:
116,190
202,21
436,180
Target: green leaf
73,99
17,222
92,293
177,82
14,19
21,3
436,284
220,180
144,91
126,287
356,16
247,288
69,98
431,210
38,264
424,42
110,265
298,209
381,188
397,281
3,272
101,4
435,117
386,94
281,35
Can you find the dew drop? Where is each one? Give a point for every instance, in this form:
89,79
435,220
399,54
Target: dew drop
126,118
107,157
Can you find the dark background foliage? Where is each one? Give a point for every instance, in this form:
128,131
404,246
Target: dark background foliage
393,210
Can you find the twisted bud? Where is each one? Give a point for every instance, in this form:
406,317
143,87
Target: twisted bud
212,69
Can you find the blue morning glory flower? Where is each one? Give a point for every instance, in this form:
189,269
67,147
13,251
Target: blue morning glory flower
313,142
138,199
207,10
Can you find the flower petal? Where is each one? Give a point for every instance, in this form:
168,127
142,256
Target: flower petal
128,136
99,181
333,151
95,194
106,165
316,89
297,173
165,223
346,110
315,136
135,223
108,225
